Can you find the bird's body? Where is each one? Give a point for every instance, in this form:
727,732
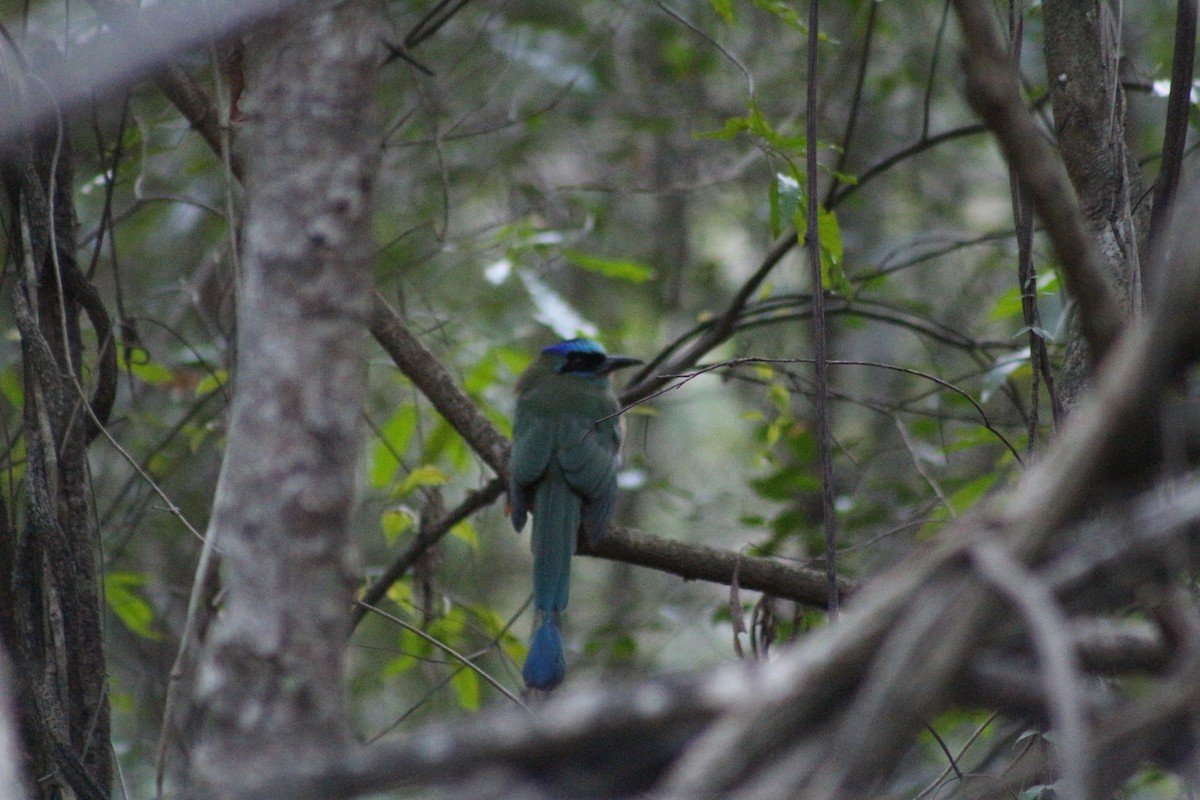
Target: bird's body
563,469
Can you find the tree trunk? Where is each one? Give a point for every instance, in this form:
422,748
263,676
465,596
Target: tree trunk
270,684
1081,50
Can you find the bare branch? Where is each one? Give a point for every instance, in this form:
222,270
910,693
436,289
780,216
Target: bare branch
699,562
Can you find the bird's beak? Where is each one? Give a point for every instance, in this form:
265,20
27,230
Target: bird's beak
614,363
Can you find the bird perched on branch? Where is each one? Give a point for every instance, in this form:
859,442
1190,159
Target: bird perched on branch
563,469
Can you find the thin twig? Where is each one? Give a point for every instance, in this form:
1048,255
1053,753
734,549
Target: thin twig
812,240
495,684
480,498
749,76
685,378
855,103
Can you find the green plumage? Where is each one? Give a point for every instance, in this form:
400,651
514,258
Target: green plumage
563,468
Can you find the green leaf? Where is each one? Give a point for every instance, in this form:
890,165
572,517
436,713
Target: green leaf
724,8
786,197
617,268
967,495
12,386
732,127
1009,305
214,381
465,531
514,360
130,607
1005,367
145,370
424,475
481,376
782,11
396,433
395,521
415,649
786,484
833,272
829,234
401,593
466,688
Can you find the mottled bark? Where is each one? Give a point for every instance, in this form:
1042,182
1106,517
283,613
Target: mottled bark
270,685
1081,47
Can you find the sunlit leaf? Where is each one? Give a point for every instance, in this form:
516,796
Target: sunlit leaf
786,197
211,383
732,127
424,475
396,521
120,592
617,268
145,370
480,377
1003,369
466,688
401,593
396,434
784,12
1009,304
12,386
465,531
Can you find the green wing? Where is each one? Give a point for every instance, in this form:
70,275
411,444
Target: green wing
587,454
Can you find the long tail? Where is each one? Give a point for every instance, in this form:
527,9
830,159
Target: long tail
545,666
556,515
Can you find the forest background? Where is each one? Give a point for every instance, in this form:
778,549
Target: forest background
925,532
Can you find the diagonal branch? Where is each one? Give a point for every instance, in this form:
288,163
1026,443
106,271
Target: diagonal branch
438,385
995,94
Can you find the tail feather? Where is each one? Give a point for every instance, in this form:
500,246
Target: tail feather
556,513
545,666
556,516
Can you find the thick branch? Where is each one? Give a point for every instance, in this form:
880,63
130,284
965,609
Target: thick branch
601,740
698,562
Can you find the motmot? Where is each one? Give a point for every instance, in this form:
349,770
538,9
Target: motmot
563,469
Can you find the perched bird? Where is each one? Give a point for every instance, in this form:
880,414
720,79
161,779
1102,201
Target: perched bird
563,468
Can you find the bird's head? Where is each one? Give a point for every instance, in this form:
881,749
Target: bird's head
585,358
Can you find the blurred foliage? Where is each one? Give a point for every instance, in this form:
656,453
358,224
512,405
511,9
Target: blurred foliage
619,170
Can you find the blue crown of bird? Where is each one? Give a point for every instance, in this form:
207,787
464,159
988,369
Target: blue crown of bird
563,470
